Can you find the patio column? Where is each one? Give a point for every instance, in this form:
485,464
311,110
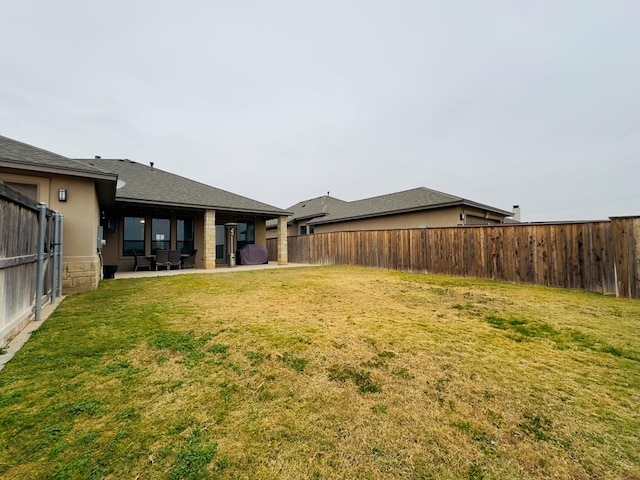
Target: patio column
209,239
283,254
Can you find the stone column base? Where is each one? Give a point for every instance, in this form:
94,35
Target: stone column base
80,274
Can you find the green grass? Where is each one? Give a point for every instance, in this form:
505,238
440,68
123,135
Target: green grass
322,373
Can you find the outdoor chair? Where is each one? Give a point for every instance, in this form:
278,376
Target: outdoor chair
140,262
175,260
162,259
189,260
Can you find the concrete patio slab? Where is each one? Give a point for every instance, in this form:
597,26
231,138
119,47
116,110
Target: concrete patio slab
218,269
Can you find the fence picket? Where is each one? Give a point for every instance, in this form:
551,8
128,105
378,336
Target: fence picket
584,255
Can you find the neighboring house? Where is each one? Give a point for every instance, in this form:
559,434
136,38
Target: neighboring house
415,208
139,208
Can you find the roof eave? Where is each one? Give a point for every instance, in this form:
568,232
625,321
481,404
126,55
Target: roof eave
191,206
482,206
73,172
410,210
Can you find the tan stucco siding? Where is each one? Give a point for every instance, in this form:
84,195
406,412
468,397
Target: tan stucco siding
198,239
81,214
261,232
431,218
42,184
81,211
442,217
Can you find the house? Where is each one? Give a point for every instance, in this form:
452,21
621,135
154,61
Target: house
135,207
415,208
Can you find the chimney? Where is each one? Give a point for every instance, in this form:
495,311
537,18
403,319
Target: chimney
516,213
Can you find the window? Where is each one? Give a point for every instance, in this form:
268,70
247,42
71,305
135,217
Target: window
184,233
303,229
29,190
246,234
133,236
221,242
312,229
160,234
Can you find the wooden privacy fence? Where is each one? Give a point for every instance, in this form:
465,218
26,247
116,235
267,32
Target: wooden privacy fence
30,260
596,256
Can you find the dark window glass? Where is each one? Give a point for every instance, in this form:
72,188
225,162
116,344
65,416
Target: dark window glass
312,229
246,234
220,242
133,236
160,234
184,241
303,229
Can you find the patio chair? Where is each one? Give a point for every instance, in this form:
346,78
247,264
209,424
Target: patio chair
140,262
174,259
189,260
162,259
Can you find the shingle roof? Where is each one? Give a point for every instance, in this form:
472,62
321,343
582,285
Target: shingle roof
330,210
13,152
317,207
138,183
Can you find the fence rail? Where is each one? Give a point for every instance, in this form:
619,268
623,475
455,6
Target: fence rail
30,260
596,256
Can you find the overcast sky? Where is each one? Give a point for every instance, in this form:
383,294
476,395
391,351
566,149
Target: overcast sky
535,103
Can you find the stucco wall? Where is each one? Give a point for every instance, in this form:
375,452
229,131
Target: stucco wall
261,232
429,218
81,264
442,217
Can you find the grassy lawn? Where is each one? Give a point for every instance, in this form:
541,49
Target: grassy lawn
325,373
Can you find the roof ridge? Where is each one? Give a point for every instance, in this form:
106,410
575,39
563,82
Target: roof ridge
156,169
416,189
37,148
26,154
181,189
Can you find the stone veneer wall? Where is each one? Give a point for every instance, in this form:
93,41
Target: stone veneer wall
80,275
209,247
283,254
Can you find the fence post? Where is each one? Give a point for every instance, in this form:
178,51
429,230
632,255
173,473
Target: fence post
53,247
60,249
42,226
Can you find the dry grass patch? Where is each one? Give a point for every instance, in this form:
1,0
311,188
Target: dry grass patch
323,373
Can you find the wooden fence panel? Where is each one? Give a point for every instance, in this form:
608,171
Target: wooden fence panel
18,249
626,240
597,256
19,230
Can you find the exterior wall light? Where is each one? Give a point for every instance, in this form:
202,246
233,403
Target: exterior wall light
62,195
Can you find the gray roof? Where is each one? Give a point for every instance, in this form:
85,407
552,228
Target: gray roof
317,207
20,155
138,183
330,210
